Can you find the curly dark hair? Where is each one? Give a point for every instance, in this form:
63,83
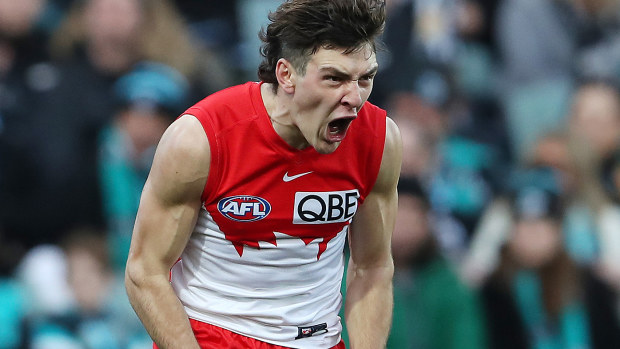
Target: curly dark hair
298,28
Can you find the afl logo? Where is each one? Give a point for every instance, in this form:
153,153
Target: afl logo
243,208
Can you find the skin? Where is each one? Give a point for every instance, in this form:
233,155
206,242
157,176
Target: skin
143,127
535,242
369,300
90,281
168,211
596,118
112,28
17,17
334,86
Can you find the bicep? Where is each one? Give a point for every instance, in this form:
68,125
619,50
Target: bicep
371,229
171,198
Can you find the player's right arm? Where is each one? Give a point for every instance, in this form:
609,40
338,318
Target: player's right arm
168,210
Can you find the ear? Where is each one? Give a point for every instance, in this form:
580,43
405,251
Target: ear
286,74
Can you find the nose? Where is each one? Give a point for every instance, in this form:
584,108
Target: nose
353,95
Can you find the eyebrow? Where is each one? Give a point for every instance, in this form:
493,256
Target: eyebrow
337,72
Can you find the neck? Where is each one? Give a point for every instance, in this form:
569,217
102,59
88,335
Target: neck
279,111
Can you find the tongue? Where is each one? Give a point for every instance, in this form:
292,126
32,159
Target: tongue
338,126
337,130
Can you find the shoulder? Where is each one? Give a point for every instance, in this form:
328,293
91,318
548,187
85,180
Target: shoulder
393,140
183,155
185,137
392,157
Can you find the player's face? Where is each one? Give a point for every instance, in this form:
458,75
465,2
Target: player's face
329,95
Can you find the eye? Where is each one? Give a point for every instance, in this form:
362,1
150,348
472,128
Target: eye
366,80
333,78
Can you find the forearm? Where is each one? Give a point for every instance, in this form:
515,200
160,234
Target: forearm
368,306
161,312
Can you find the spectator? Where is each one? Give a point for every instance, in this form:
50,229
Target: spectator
595,116
493,229
460,169
536,50
580,154
434,309
99,315
545,47
114,34
42,276
535,299
148,99
98,41
24,76
594,137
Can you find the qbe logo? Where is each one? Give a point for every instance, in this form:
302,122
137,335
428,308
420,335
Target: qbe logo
244,208
325,207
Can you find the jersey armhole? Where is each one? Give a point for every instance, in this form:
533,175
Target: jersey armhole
214,167
376,156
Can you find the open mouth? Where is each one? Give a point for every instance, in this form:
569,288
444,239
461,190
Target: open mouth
337,129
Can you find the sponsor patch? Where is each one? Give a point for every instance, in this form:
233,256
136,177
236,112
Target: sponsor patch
325,207
244,208
309,331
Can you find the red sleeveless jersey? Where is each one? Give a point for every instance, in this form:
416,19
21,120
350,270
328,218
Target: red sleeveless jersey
265,259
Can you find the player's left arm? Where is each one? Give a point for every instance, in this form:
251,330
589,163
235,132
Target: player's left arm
369,299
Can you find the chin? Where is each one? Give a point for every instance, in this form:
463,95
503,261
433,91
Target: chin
326,148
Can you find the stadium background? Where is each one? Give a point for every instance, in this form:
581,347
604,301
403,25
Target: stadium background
508,233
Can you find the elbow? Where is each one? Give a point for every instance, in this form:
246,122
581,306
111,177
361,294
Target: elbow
143,274
382,271
385,268
390,268
134,276
387,271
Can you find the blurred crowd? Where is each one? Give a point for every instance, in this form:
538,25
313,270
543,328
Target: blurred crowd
508,228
